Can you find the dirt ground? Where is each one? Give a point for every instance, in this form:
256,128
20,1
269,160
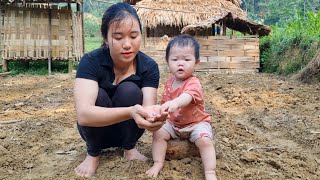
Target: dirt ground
267,127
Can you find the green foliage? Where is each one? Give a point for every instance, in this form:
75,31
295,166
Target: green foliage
271,12
37,68
291,46
92,43
93,14
91,25
97,8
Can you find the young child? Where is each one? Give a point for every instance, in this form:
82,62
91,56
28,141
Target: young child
183,99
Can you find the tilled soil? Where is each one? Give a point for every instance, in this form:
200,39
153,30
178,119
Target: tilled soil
267,127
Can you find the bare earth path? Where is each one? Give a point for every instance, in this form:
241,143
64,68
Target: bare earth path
267,127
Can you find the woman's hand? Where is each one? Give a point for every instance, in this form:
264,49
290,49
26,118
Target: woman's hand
146,120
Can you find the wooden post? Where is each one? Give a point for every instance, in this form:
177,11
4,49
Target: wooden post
50,40
213,29
70,66
207,33
224,27
74,50
4,38
4,65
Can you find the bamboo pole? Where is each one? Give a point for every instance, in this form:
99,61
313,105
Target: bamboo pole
74,50
82,29
50,40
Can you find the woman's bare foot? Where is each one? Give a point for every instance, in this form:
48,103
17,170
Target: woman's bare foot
155,169
88,167
133,154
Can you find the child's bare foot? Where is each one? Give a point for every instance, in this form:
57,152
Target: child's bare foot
133,154
155,169
210,175
88,167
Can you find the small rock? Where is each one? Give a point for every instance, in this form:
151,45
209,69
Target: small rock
275,164
60,152
3,151
28,165
73,152
10,171
186,160
2,136
39,124
249,157
226,140
19,104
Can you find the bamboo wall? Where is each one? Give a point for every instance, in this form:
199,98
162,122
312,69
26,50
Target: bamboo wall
217,53
223,52
25,34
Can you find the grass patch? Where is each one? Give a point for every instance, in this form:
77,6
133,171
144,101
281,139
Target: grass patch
92,43
37,68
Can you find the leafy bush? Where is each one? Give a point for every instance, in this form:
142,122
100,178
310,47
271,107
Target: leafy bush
91,25
92,43
291,46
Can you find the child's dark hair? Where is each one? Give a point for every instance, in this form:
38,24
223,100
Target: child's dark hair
117,13
183,40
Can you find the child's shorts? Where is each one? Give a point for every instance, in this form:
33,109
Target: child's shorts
202,129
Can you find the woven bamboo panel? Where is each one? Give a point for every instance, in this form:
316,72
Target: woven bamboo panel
26,34
222,52
77,34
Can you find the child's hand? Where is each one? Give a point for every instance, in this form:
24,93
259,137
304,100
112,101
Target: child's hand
169,106
155,114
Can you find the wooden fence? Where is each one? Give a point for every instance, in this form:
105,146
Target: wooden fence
217,53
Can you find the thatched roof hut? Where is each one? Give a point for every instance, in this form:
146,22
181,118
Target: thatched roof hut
196,14
205,19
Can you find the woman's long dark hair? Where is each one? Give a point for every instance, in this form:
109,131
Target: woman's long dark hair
117,13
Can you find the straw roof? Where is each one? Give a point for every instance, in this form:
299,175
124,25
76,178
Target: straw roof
184,12
132,2
39,1
233,22
236,2
197,14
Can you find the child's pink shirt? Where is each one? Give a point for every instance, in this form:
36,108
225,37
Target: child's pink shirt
192,113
